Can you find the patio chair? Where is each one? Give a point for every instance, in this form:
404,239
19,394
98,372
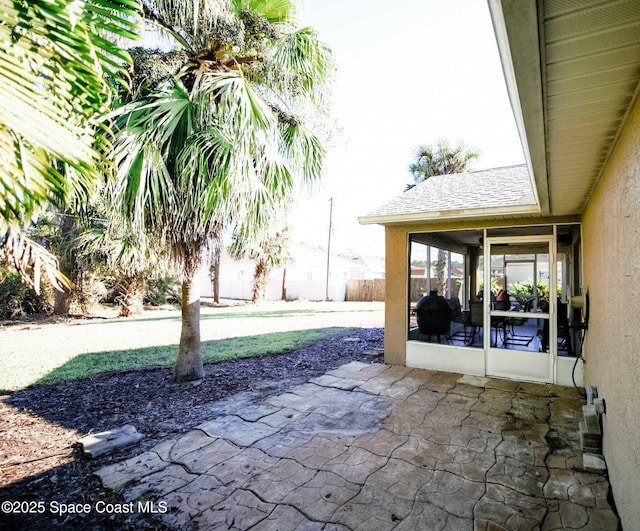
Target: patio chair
475,320
510,335
563,329
460,317
500,323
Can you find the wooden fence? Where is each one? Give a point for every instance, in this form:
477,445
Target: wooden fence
365,290
419,288
373,289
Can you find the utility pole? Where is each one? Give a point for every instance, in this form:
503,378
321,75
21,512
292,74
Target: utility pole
326,291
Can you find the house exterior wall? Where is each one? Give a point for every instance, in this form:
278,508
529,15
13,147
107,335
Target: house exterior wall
302,282
611,267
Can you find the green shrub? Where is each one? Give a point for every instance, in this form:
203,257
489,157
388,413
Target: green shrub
526,288
163,289
17,299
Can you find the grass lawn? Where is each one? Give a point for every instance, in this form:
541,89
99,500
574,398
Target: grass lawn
80,349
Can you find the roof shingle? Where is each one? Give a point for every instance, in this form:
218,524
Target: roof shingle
497,187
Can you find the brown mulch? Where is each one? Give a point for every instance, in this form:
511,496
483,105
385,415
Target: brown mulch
39,461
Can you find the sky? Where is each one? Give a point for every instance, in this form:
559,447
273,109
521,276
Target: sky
409,72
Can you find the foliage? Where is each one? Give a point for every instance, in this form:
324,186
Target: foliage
57,70
163,289
525,288
18,299
108,244
440,159
89,292
495,287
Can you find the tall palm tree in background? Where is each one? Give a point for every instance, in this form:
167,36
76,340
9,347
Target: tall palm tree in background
441,158
58,69
223,141
268,249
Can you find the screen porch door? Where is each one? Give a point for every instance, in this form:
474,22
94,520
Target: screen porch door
522,340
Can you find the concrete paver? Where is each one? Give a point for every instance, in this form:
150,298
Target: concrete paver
375,447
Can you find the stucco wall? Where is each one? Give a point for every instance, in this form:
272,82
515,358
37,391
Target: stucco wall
396,313
611,252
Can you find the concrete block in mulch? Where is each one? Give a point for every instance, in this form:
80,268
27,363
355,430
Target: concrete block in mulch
104,442
591,418
594,463
590,442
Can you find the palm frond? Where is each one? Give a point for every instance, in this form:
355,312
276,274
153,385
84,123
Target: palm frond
274,11
303,66
57,68
441,159
29,259
188,20
306,150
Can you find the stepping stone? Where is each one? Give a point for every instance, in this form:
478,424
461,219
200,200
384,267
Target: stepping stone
104,442
476,381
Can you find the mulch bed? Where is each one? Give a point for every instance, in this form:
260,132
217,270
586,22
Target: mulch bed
39,426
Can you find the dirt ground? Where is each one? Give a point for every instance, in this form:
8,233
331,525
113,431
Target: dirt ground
39,426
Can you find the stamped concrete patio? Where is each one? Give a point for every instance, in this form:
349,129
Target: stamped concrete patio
376,447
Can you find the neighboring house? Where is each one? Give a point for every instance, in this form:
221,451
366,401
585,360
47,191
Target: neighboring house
572,70
304,278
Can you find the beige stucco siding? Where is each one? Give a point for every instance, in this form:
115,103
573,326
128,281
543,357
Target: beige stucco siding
396,313
611,252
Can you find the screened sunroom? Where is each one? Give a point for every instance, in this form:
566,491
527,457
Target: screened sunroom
479,282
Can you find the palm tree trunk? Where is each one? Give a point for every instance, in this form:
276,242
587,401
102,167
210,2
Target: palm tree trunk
215,274
260,281
62,298
441,272
189,365
132,291
61,302
284,284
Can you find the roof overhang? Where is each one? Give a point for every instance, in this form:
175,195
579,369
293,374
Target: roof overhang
515,24
451,215
572,71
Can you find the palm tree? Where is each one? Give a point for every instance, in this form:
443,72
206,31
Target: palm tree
225,140
440,159
268,249
106,242
58,67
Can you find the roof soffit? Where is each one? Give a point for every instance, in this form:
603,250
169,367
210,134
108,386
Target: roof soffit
571,107
517,33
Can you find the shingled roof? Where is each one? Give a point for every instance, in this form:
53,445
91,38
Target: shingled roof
497,191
